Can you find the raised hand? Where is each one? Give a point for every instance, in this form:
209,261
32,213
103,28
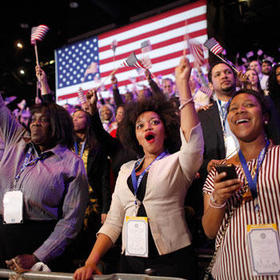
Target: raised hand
183,70
114,80
91,97
42,79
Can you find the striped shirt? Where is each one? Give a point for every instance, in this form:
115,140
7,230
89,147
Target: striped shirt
232,260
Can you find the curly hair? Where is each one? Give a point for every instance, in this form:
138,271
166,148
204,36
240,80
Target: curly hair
167,114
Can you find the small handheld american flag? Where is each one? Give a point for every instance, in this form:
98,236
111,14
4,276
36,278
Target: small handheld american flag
132,61
114,45
81,96
213,46
38,33
197,51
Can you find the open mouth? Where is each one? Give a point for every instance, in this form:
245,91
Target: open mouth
150,137
241,121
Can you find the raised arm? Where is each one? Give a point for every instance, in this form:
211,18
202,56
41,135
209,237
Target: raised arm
11,130
110,143
189,118
116,94
156,90
46,93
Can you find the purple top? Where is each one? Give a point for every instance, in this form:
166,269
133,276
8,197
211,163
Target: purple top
54,188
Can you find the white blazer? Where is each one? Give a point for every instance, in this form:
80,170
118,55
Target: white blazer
168,181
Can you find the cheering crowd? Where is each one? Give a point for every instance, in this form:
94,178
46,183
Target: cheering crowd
119,184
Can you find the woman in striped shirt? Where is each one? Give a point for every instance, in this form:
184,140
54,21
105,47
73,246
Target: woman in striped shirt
230,206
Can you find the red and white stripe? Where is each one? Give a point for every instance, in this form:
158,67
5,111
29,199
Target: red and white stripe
197,52
38,33
233,261
166,33
217,49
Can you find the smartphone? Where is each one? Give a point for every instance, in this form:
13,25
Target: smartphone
229,169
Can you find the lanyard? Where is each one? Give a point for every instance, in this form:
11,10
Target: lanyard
136,183
82,148
223,111
28,162
252,182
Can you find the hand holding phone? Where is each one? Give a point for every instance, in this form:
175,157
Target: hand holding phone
229,169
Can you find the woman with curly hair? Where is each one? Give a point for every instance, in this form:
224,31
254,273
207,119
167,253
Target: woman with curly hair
148,201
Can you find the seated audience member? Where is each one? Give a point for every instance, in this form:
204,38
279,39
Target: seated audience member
233,207
43,189
150,192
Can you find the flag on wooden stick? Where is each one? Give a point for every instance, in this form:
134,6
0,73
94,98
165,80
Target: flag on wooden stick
38,33
213,46
196,50
133,61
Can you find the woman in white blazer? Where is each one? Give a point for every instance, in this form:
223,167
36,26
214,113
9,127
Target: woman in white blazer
148,201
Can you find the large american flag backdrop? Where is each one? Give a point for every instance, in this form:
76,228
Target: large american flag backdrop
160,39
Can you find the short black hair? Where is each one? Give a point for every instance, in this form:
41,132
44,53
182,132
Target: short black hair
258,95
61,124
213,65
167,113
267,61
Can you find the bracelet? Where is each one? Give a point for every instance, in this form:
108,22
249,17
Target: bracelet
213,204
186,102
